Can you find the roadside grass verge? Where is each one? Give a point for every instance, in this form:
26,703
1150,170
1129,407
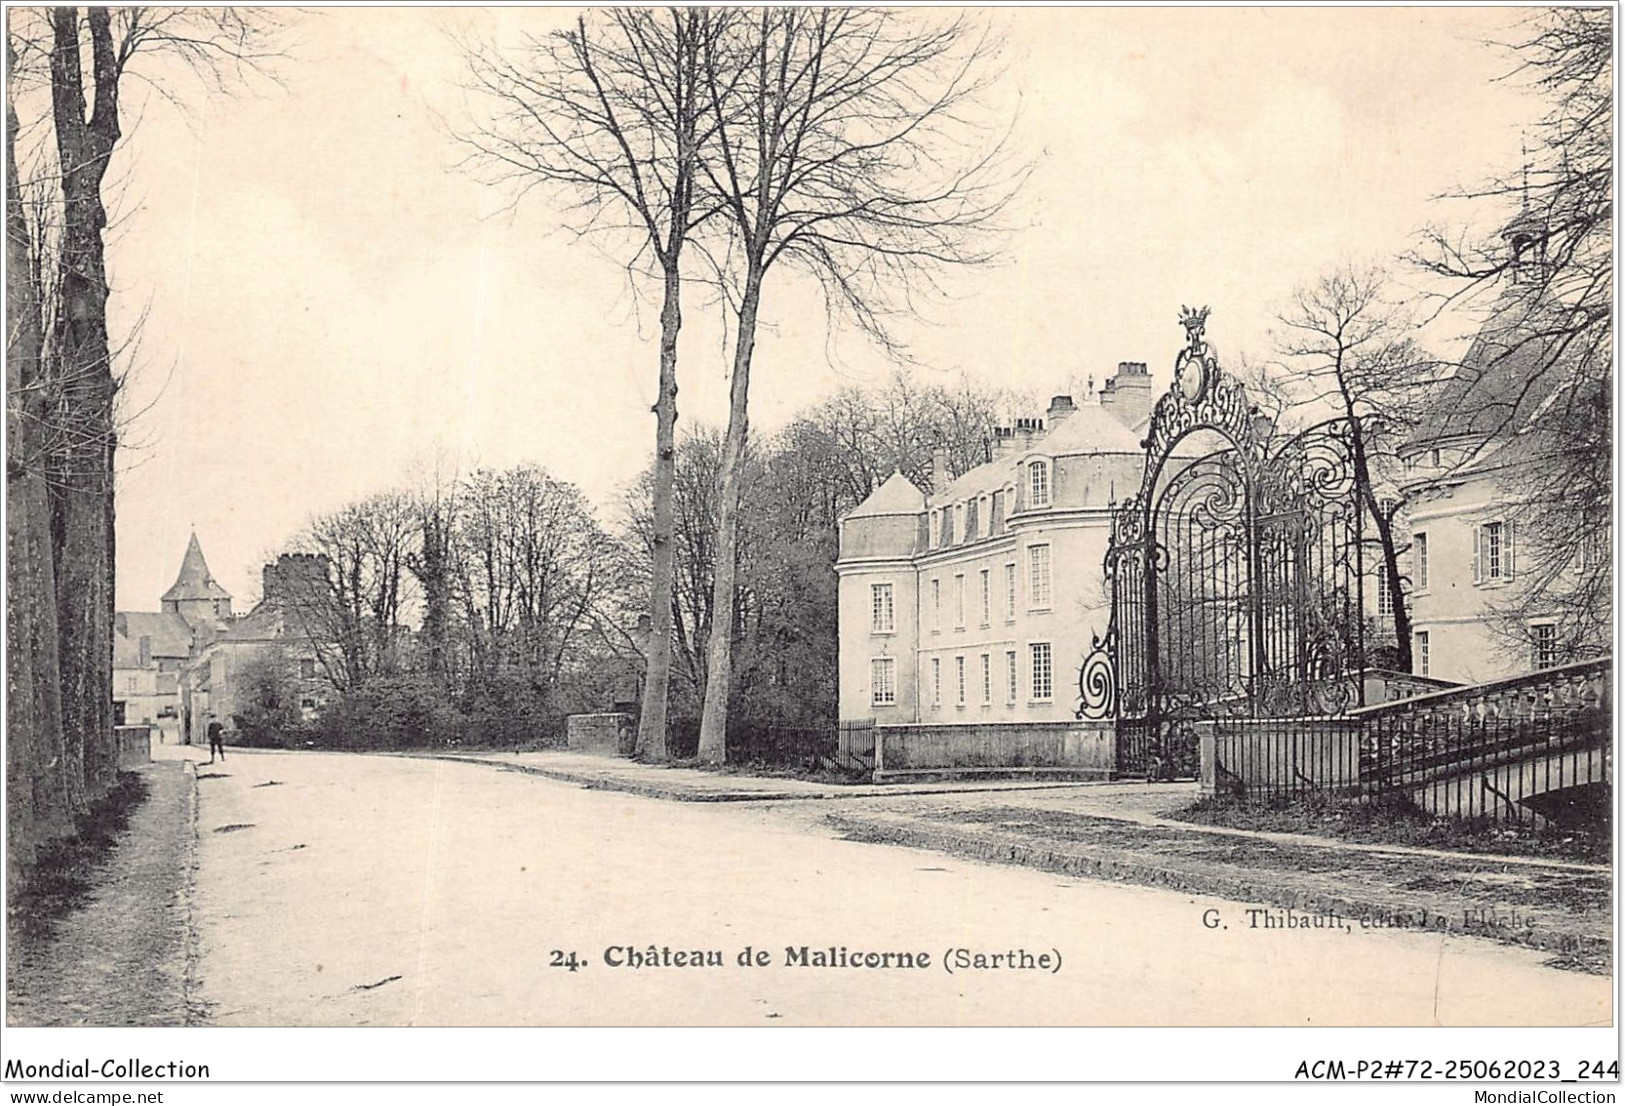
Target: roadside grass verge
64,871
1399,822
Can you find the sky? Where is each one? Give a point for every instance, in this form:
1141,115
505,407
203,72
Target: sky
331,306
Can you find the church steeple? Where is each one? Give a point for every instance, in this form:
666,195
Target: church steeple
195,595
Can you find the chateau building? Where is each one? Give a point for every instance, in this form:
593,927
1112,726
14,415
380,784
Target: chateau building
979,601
976,603
1475,552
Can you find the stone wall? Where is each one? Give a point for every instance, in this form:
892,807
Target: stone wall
607,735
1049,748
134,745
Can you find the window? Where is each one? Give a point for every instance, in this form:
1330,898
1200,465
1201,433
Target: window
936,681
1420,544
307,669
987,596
882,615
1593,552
959,601
947,526
1043,673
132,683
959,664
1010,592
936,606
1038,484
995,518
1038,596
1492,552
1012,676
972,520
1421,658
987,679
883,680
1545,645
1385,599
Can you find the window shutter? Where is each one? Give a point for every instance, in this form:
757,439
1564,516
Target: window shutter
1508,544
1478,534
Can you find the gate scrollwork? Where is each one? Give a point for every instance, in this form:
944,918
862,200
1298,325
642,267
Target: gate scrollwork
1235,576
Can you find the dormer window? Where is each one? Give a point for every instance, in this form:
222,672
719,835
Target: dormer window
1038,484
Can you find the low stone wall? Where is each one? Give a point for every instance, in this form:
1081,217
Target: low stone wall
1261,757
1046,748
606,735
134,746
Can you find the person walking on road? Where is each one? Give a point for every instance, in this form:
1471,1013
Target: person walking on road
216,745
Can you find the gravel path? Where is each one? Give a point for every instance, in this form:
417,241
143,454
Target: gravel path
122,959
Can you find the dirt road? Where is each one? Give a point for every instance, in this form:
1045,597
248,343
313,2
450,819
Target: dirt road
338,890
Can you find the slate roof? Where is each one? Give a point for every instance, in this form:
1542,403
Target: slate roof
171,636
1502,382
195,581
896,496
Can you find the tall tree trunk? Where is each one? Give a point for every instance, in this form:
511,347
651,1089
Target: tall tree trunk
39,803
719,666
82,526
657,671
435,576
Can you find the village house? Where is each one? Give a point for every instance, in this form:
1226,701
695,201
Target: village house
265,653
150,648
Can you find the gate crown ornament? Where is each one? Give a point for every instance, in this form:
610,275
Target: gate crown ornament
1195,322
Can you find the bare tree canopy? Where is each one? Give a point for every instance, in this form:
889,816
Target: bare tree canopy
612,115
1348,352
848,143
1538,381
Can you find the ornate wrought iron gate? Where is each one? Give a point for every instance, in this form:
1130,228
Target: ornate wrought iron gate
1236,573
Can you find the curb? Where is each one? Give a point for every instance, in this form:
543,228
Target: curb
192,950
699,795
1112,867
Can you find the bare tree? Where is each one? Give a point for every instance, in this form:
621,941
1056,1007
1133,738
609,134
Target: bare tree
834,151
351,609
67,383
612,114
1547,386
1349,351
531,561
42,792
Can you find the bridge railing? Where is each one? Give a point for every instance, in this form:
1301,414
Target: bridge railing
1483,750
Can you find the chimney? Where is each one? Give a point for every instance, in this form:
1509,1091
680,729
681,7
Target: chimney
1131,391
939,471
1004,442
1060,409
